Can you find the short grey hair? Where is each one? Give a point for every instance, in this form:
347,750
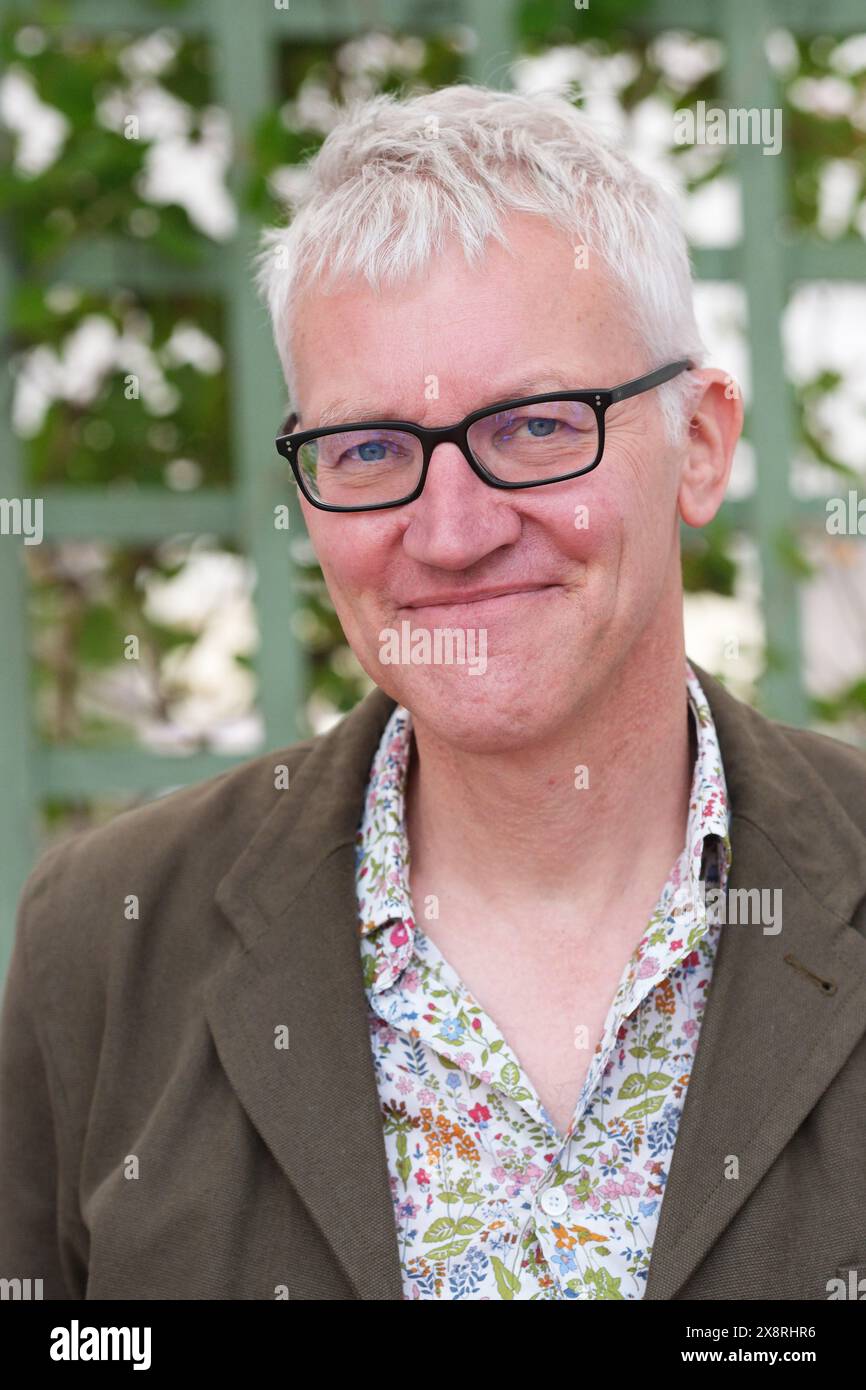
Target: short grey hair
395,179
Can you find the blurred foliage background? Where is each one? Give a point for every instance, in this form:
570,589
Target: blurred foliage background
118,135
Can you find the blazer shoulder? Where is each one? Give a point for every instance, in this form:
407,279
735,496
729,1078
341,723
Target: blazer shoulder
178,842
840,765
164,859
772,764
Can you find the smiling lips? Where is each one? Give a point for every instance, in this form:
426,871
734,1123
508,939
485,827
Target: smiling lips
462,597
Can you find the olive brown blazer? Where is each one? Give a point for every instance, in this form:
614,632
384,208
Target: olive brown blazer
157,1143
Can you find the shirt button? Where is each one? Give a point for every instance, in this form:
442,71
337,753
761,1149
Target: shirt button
554,1201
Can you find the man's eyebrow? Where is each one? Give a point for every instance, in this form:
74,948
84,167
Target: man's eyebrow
344,412
340,412
533,386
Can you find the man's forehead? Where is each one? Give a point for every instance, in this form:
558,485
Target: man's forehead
345,409
564,311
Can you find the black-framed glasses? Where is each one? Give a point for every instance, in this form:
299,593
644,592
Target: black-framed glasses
521,443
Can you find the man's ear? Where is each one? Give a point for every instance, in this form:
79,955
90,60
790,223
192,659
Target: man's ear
714,427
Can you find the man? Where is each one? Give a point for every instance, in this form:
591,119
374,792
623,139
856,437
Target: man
450,1002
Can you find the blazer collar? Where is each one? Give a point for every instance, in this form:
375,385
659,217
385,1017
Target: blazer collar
291,898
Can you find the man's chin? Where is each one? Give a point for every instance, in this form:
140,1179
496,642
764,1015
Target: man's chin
476,714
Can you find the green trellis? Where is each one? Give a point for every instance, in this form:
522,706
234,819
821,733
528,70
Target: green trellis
247,34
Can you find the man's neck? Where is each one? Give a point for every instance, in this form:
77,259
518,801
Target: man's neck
501,833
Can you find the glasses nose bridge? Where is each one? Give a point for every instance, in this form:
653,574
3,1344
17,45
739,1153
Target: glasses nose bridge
450,434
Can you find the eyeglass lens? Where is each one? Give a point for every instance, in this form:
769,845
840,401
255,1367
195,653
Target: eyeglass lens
531,443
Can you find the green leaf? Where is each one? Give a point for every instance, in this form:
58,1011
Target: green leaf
634,1085
644,1108
521,1093
509,1075
604,1283
507,1282
658,1081
441,1229
448,1252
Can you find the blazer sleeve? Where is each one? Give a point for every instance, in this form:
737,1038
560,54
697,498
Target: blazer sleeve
30,1244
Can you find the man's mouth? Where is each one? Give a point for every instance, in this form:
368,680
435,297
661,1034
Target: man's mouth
476,598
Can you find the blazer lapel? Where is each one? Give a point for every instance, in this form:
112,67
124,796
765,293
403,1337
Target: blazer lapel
784,1011
291,896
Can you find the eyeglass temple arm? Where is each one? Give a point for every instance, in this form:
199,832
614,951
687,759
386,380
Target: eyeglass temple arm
646,383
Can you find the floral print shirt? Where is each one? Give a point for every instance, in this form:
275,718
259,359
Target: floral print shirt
490,1201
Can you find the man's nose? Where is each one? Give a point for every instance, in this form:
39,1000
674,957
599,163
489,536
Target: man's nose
458,519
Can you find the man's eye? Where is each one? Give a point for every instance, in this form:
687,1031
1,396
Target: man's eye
541,428
371,452
531,427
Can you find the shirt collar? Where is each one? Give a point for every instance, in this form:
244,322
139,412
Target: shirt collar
384,899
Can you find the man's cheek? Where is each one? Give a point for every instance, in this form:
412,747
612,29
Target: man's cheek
342,583
589,528
361,615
